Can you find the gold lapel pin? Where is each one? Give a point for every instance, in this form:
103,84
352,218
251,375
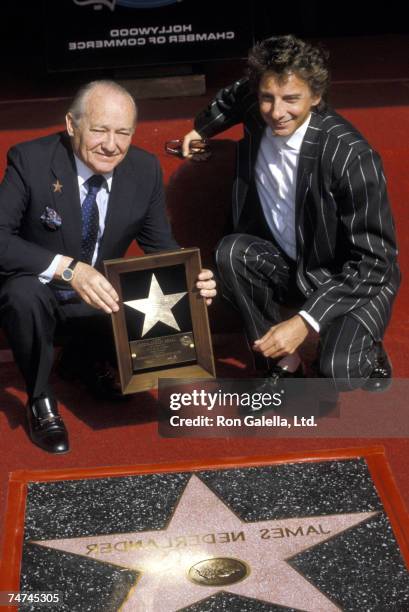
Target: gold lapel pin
57,186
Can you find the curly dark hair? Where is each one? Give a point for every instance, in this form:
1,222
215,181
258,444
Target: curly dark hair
287,54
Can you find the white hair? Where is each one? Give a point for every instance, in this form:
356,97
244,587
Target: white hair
77,108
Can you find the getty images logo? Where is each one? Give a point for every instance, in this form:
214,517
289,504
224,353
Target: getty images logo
98,4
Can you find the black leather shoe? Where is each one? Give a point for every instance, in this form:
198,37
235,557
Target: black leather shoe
46,427
98,377
100,381
280,374
275,380
380,378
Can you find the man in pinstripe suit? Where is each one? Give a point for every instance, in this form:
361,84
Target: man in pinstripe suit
312,222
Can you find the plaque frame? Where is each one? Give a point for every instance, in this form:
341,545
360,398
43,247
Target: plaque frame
132,382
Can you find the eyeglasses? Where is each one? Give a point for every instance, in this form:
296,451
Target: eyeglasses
199,149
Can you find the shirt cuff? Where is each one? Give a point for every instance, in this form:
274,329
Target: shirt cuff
307,317
48,274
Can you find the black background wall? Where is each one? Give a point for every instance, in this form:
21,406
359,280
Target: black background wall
22,25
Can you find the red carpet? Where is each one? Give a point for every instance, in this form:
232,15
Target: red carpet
198,197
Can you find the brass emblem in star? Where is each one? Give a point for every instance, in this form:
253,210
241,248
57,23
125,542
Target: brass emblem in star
206,549
157,307
97,4
57,186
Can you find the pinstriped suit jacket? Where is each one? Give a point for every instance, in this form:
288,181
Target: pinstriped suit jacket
346,247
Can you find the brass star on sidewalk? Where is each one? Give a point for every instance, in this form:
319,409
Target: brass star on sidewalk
57,186
157,306
206,549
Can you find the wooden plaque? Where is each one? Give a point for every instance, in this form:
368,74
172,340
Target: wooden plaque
161,329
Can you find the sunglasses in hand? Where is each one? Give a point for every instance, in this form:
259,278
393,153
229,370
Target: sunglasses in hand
199,149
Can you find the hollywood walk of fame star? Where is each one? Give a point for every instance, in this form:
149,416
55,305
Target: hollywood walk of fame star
157,307
57,186
203,527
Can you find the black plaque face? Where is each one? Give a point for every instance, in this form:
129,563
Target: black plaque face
153,342
161,329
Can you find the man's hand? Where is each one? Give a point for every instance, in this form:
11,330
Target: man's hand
193,135
206,285
94,288
283,339
90,285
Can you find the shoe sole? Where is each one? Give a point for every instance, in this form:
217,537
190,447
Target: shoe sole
382,389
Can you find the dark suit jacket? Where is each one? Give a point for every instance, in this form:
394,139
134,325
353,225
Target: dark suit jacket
136,207
346,248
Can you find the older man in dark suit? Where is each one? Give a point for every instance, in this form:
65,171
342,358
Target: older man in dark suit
312,221
67,202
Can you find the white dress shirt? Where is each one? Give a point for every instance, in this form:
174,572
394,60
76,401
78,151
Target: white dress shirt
276,181
83,174
276,178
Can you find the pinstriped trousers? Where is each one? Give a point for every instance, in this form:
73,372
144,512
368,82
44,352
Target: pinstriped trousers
256,277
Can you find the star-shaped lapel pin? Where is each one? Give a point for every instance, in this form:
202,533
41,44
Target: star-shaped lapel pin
57,186
157,307
206,549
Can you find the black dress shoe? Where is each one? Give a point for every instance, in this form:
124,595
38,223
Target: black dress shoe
100,381
381,376
46,427
275,380
280,374
97,377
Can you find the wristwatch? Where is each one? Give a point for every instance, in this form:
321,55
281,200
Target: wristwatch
68,272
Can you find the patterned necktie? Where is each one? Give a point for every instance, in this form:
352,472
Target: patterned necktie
90,218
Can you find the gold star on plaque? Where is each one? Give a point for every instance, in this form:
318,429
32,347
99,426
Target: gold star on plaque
206,549
57,186
157,307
